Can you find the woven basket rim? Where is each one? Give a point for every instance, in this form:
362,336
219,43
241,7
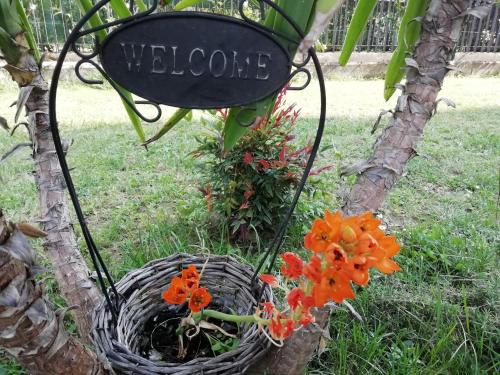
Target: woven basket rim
227,279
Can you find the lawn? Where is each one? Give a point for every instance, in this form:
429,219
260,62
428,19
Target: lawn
440,315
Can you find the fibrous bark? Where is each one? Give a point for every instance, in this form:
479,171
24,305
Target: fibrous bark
396,145
398,142
30,330
71,272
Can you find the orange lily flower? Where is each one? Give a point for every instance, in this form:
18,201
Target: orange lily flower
191,277
199,299
177,293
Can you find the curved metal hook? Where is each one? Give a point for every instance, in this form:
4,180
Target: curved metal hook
107,25
119,91
153,104
82,55
296,72
303,63
81,77
262,27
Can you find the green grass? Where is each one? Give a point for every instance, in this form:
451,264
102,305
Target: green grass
439,316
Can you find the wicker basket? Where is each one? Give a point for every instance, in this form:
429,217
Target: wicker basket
229,283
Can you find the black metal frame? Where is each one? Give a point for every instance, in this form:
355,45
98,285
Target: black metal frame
77,33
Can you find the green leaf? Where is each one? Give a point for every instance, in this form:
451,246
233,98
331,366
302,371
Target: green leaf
141,5
9,48
9,18
183,4
359,19
408,35
233,131
172,121
301,12
28,31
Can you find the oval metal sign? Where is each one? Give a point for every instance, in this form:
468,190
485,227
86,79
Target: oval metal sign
195,60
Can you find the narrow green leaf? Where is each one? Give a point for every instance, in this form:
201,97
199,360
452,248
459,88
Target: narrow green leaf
141,5
408,35
359,20
28,31
120,8
10,50
95,20
172,121
183,4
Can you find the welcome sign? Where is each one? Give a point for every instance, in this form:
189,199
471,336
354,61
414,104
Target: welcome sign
195,60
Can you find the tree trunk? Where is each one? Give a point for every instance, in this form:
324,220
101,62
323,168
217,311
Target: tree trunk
392,150
30,330
71,272
399,140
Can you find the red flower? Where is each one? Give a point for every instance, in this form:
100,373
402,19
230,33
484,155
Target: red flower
306,318
265,164
268,308
177,293
295,297
248,158
245,205
199,299
281,327
292,268
269,279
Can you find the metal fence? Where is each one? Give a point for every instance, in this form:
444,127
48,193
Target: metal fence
52,20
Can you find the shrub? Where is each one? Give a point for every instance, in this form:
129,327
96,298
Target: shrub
252,185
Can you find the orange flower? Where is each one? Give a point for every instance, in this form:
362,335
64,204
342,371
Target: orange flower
389,245
292,268
387,266
269,279
367,223
335,256
357,270
199,299
281,327
191,277
177,293
320,236
334,286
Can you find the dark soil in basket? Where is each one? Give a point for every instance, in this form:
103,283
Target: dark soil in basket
159,340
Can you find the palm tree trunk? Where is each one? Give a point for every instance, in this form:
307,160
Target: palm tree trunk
30,330
392,150
399,140
70,269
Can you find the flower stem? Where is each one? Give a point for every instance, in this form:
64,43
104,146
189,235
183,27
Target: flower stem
228,317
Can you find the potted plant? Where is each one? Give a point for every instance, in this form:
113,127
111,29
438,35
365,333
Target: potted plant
196,314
